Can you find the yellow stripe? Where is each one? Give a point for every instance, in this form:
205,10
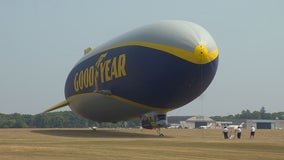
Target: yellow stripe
133,103
181,53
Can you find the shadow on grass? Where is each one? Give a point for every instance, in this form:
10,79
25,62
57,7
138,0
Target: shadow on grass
100,133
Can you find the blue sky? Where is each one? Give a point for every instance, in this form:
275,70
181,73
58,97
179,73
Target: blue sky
40,41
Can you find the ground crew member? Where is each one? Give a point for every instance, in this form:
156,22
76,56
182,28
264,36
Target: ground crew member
225,131
252,132
239,132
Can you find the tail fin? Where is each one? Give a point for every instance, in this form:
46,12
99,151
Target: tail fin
59,105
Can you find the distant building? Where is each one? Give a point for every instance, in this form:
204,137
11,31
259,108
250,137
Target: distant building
177,119
192,122
197,122
265,124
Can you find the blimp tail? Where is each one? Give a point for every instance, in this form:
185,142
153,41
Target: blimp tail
59,105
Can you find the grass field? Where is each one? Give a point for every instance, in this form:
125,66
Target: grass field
121,144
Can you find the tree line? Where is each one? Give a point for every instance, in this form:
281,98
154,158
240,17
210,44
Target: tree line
62,119
247,114
68,119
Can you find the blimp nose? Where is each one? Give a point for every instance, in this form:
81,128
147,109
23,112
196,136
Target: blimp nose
202,55
200,50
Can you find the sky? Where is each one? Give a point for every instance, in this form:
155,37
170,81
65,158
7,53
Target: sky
40,42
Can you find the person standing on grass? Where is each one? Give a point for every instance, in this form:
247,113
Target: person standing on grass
252,131
239,132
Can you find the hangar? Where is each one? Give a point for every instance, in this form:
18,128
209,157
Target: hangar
192,122
196,122
265,124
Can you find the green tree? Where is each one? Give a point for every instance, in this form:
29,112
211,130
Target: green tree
246,114
41,121
19,121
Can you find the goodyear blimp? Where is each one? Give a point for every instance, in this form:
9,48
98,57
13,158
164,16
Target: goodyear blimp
143,73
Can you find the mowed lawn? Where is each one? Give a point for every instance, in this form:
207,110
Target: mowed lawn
122,144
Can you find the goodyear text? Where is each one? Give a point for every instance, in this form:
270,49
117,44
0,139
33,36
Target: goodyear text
103,71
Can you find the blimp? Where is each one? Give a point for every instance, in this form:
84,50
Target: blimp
144,73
